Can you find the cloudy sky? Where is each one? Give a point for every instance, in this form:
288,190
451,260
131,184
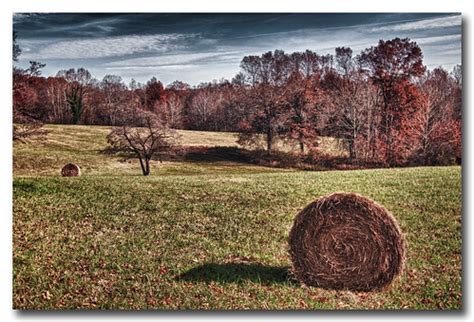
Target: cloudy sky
202,47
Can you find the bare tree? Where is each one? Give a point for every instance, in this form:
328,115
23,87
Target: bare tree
16,48
174,106
308,63
76,92
351,101
203,107
35,68
115,97
344,60
56,94
439,130
300,110
152,138
267,75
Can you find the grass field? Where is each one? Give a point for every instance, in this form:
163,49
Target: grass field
84,145
207,236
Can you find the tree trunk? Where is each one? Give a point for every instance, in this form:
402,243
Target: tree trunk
386,127
301,140
425,151
269,142
147,167
352,154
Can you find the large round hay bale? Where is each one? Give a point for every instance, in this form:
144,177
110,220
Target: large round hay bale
346,241
71,170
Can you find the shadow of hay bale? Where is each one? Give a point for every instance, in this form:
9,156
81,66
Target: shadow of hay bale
237,273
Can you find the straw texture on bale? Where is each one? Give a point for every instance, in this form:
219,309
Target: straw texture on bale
346,241
71,170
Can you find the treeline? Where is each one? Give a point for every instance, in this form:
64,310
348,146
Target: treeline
383,104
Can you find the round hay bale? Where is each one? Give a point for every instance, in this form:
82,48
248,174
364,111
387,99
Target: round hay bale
346,241
71,170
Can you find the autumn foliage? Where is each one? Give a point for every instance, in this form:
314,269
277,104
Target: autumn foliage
383,105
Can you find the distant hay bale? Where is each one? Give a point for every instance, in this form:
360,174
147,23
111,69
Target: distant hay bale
346,241
71,170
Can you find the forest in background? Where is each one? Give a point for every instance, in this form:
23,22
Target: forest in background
383,104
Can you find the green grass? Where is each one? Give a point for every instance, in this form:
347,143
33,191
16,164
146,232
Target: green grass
208,236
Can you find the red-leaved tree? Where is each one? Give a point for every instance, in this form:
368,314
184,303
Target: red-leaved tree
392,65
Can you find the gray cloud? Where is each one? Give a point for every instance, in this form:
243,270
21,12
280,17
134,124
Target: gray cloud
201,47
435,23
438,39
106,46
174,59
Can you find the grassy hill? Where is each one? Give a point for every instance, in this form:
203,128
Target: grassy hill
207,235
84,145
